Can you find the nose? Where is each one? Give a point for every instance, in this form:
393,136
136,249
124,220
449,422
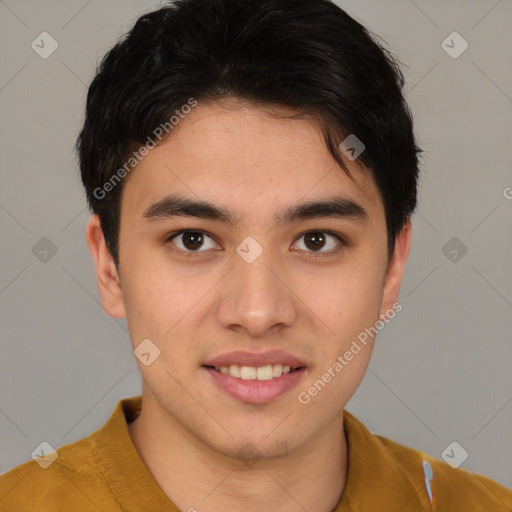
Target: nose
257,297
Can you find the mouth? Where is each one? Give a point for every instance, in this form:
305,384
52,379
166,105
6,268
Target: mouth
260,373
255,377
255,384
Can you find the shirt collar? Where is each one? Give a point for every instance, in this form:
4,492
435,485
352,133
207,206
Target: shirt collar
376,475
119,461
381,475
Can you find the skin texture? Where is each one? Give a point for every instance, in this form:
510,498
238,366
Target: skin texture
190,432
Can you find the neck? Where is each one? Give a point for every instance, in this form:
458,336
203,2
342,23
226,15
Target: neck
197,477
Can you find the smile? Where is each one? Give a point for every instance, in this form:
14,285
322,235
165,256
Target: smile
255,384
268,372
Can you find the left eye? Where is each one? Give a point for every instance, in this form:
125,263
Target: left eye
320,240
314,241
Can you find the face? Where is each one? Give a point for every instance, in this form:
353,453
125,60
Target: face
256,278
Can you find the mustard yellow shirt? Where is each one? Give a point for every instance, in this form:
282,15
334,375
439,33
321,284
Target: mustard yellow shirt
103,472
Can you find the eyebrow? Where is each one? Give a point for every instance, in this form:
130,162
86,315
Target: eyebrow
175,205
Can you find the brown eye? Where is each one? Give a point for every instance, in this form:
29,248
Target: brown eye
192,241
316,241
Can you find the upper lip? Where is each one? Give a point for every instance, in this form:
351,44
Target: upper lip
243,358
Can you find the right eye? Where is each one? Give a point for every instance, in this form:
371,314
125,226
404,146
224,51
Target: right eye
191,240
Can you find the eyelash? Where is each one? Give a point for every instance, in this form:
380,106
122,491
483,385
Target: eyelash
312,254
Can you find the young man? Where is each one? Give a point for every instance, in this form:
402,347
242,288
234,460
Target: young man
252,169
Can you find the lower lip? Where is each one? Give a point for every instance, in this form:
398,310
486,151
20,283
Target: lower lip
256,391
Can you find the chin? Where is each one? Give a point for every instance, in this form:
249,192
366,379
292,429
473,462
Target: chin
249,452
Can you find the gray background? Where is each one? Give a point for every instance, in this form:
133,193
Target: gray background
441,369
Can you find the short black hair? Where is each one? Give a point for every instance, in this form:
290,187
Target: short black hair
308,55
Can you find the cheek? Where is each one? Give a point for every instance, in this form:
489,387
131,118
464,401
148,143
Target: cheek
350,305
349,300
362,306
155,299
165,305
350,311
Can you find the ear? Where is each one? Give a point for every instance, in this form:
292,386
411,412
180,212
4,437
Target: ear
396,270
109,283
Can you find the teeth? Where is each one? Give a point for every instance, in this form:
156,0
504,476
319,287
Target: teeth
267,372
234,370
277,370
264,372
248,373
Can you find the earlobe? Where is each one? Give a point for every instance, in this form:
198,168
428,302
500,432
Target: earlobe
396,269
109,282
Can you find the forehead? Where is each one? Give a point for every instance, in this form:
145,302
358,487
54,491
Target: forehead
245,156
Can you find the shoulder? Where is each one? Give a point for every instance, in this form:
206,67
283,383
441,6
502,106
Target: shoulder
410,477
453,488
71,481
